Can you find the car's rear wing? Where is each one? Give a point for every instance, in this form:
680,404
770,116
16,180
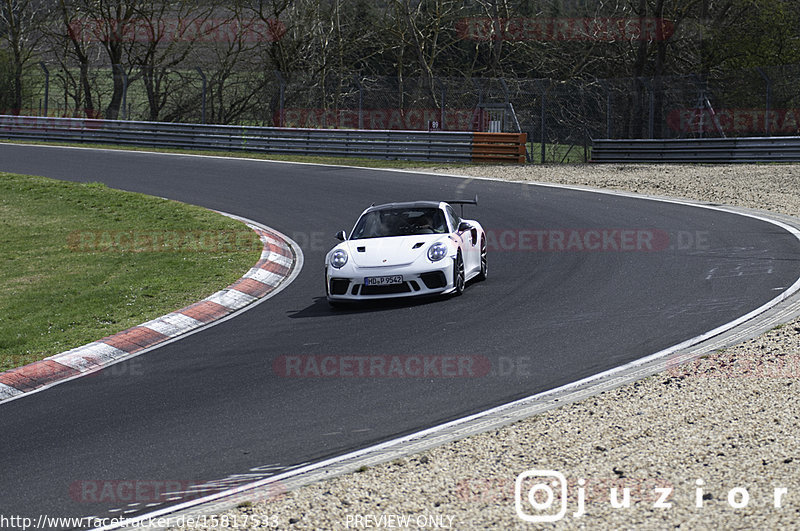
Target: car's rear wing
463,202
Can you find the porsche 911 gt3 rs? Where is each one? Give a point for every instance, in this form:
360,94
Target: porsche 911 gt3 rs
405,250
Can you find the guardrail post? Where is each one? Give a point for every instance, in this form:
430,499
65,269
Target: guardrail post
203,97
124,94
124,75
507,103
651,119
360,102
542,118
608,111
46,85
444,95
769,98
586,141
281,98
651,104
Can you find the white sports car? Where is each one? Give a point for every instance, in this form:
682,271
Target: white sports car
405,250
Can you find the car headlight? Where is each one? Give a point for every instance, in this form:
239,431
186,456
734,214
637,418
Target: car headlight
339,258
437,251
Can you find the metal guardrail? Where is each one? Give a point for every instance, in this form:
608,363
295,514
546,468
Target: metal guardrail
712,150
442,146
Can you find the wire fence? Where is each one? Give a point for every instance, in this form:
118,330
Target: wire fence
560,117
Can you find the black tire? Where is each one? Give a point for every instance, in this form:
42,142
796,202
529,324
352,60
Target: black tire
484,263
459,277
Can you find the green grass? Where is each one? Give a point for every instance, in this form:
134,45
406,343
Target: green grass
70,273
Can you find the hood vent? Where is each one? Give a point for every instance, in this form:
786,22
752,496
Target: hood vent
418,245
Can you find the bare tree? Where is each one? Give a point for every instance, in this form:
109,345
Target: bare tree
167,33
114,20
72,39
21,20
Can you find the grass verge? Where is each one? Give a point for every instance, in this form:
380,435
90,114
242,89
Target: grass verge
83,261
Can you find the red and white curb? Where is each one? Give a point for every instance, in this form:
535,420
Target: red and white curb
281,259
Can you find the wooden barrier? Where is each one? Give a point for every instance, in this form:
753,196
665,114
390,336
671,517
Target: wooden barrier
499,147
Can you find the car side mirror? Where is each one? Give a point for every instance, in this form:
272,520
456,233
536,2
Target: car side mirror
464,226
341,235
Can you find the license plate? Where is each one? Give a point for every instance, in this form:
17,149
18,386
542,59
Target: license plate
383,281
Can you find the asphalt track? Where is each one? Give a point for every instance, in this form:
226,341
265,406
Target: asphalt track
210,406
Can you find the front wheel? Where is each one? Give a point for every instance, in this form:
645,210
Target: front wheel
459,277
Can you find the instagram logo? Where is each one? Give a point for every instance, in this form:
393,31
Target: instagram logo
541,496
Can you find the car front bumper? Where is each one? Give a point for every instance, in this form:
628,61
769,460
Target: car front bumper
347,284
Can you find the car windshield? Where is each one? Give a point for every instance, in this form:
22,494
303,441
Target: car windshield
399,222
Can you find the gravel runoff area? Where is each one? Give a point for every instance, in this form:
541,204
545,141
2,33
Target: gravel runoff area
721,434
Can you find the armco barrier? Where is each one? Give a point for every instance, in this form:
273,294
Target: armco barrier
405,145
712,150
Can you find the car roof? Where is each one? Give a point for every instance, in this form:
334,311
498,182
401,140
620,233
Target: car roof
408,204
